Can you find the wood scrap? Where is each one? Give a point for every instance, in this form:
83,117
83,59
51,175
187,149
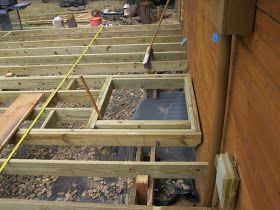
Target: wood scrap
17,112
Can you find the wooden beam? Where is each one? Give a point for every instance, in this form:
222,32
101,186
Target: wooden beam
72,85
84,42
17,112
158,47
105,168
159,81
102,102
143,124
11,204
119,28
50,120
113,137
83,35
150,196
142,186
94,68
62,95
90,58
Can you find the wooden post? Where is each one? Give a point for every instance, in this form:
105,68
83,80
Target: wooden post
220,96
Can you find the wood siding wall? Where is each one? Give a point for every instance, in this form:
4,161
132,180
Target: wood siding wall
252,129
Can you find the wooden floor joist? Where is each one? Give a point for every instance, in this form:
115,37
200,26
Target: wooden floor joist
81,35
11,204
113,137
105,168
95,68
117,48
93,58
85,41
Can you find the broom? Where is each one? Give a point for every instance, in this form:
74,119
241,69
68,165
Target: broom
149,51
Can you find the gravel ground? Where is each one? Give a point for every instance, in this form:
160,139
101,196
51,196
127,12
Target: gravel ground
123,104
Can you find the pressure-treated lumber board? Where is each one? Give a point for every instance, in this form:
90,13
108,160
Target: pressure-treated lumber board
95,68
117,48
92,58
191,104
142,186
71,114
105,168
113,137
143,124
102,101
62,95
11,204
59,31
79,35
50,120
159,81
84,42
150,196
15,115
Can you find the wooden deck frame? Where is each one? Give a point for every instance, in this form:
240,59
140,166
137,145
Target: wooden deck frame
116,49
184,133
19,55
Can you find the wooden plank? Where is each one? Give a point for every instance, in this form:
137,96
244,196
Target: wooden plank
60,31
90,58
62,95
143,124
150,196
113,137
84,42
17,112
117,48
79,35
50,120
11,204
142,186
105,168
94,68
102,102
159,81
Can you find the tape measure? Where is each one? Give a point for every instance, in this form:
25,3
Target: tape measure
47,102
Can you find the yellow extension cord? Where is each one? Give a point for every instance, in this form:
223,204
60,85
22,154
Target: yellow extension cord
47,102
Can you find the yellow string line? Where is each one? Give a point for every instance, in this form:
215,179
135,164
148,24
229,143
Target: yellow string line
6,34
47,103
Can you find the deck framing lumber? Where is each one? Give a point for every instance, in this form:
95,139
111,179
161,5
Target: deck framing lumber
105,168
85,41
11,204
117,48
113,137
93,58
39,59
95,68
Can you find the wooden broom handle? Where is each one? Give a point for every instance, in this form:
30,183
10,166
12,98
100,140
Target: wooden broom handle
160,20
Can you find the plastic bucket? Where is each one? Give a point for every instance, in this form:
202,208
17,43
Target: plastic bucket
95,21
